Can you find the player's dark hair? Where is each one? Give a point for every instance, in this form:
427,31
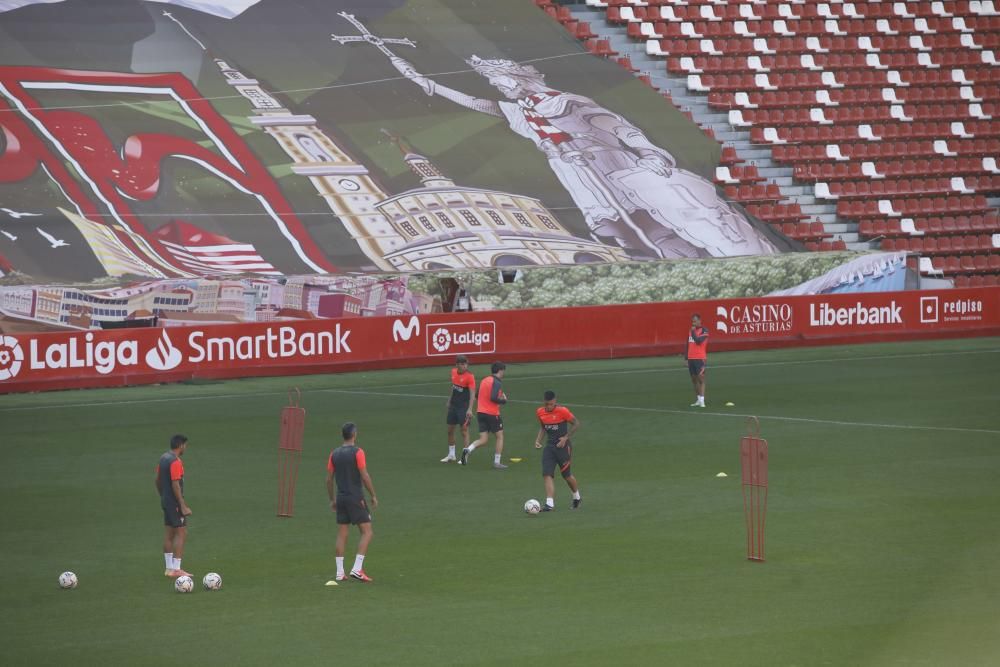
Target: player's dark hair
497,367
348,430
461,359
177,441
694,315
550,395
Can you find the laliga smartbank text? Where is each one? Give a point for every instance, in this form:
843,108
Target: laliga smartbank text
87,351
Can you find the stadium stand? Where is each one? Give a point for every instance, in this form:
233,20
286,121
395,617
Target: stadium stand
843,124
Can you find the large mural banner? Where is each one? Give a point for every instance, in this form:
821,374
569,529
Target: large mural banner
174,139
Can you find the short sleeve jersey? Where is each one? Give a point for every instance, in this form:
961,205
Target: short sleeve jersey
169,469
555,423
346,463
462,386
490,395
696,349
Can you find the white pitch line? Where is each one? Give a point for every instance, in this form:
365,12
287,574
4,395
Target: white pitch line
141,401
633,408
713,367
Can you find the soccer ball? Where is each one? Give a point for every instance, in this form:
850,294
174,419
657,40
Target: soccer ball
67,580
184,584
212,581
532,506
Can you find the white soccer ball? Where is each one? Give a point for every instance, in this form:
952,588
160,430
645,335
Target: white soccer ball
67,580
532,506
212,581
184,584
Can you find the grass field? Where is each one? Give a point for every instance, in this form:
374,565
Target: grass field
883,546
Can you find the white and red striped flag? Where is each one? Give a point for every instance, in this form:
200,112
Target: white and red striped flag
208,254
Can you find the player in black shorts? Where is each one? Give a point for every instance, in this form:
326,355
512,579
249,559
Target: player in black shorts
459,405
170,485
558,425
347,466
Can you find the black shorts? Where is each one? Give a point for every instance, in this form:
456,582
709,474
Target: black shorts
172,517
553,456
489,423
696,366
352,511
458,414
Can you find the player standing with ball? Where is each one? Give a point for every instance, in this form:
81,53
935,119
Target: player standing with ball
558,425
170,485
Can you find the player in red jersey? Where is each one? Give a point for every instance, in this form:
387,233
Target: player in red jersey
557,425
463,390
696,354
491,397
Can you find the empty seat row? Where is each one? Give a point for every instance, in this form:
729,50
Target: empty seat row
989,280
869,151
803,231
947,224
776,212
753,193
845,171
826,246
781,99
967,264
877,132
912,187
867,208
941,245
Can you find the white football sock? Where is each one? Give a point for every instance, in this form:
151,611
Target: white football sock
177,563
340,566
576,495
451,451
359,561
471,446
551,502
168,561
496,459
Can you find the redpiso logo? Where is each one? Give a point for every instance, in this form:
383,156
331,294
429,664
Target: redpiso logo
461,338
948,309
11,356
757,318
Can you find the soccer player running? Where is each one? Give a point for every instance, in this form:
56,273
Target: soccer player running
697,356
557,425
490,398
348,468
463,387
170,485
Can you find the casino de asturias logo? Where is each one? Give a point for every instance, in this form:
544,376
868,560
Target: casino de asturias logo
11,356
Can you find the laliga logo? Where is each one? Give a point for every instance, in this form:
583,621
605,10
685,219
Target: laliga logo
164,356
11,356
441,340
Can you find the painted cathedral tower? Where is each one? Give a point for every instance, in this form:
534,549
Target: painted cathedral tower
440,225
342,181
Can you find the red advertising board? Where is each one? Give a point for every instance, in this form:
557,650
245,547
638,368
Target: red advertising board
134,356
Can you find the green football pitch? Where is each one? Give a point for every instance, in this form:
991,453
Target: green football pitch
882,540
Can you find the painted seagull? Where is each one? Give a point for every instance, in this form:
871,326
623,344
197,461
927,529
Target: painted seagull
19,214
8,235
56,243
